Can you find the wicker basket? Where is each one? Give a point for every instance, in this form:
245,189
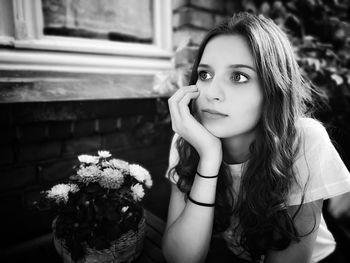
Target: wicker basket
125,249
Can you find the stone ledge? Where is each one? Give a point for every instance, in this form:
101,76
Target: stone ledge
29,86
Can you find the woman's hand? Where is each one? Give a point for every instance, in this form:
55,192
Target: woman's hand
183,123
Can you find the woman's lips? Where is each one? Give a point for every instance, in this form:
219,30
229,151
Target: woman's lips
213,114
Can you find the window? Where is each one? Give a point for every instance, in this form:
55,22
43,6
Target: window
111,20
84,36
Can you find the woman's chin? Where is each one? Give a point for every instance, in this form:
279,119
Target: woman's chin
216,131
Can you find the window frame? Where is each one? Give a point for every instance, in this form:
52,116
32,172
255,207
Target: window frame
36,51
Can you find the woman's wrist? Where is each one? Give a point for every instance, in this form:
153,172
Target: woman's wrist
206,176
209,166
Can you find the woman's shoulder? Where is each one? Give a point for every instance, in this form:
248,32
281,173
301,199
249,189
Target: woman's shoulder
312,131
317,166
310,125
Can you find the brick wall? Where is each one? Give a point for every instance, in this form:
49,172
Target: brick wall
191,20
40,143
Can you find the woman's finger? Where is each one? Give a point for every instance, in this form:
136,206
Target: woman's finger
173,110
176,98
178,95
184,104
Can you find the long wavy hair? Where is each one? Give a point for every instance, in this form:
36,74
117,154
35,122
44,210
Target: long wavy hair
260,205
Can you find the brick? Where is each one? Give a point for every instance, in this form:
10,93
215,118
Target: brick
30,196
5,109
7,155
10,201
43,111
232,7
107,125
20,223
146,156
17,133
219,19
57,170
185,56
23,113
39,151
149,133
7,134
193,17
10,206
176,20
182,35
59,129
83,128
183,74
33,132
118,140
179,3
82,145
128,123
17,177
217,5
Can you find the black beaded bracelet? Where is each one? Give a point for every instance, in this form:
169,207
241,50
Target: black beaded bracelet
203,176
199,203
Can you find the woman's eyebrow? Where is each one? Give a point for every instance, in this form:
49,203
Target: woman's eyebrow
230,66
242,66
203,66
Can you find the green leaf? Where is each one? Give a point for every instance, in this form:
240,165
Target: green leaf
93,188
114,232
337,79
112,214
99,242
83,233
75,248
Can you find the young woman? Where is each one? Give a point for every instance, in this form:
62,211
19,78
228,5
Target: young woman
246,162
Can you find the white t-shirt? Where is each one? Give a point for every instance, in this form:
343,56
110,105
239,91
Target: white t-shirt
318,166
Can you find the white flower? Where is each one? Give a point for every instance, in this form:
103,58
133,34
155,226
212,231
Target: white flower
140,173
149,182
105,164
338,79
137,192
60,192
84,158
104,154
89,174
111,178
120,164
124,209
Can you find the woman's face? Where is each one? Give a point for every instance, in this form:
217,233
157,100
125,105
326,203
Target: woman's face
230,94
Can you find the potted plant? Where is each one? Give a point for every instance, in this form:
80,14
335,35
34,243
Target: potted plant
99,215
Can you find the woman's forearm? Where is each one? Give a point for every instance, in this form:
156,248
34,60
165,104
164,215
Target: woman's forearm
187,239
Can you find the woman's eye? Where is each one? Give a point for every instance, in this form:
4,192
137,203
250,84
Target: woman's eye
204,75
239,77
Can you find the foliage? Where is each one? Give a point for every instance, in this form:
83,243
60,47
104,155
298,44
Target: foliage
100,202
320,33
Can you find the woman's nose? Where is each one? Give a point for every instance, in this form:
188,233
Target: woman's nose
214,91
